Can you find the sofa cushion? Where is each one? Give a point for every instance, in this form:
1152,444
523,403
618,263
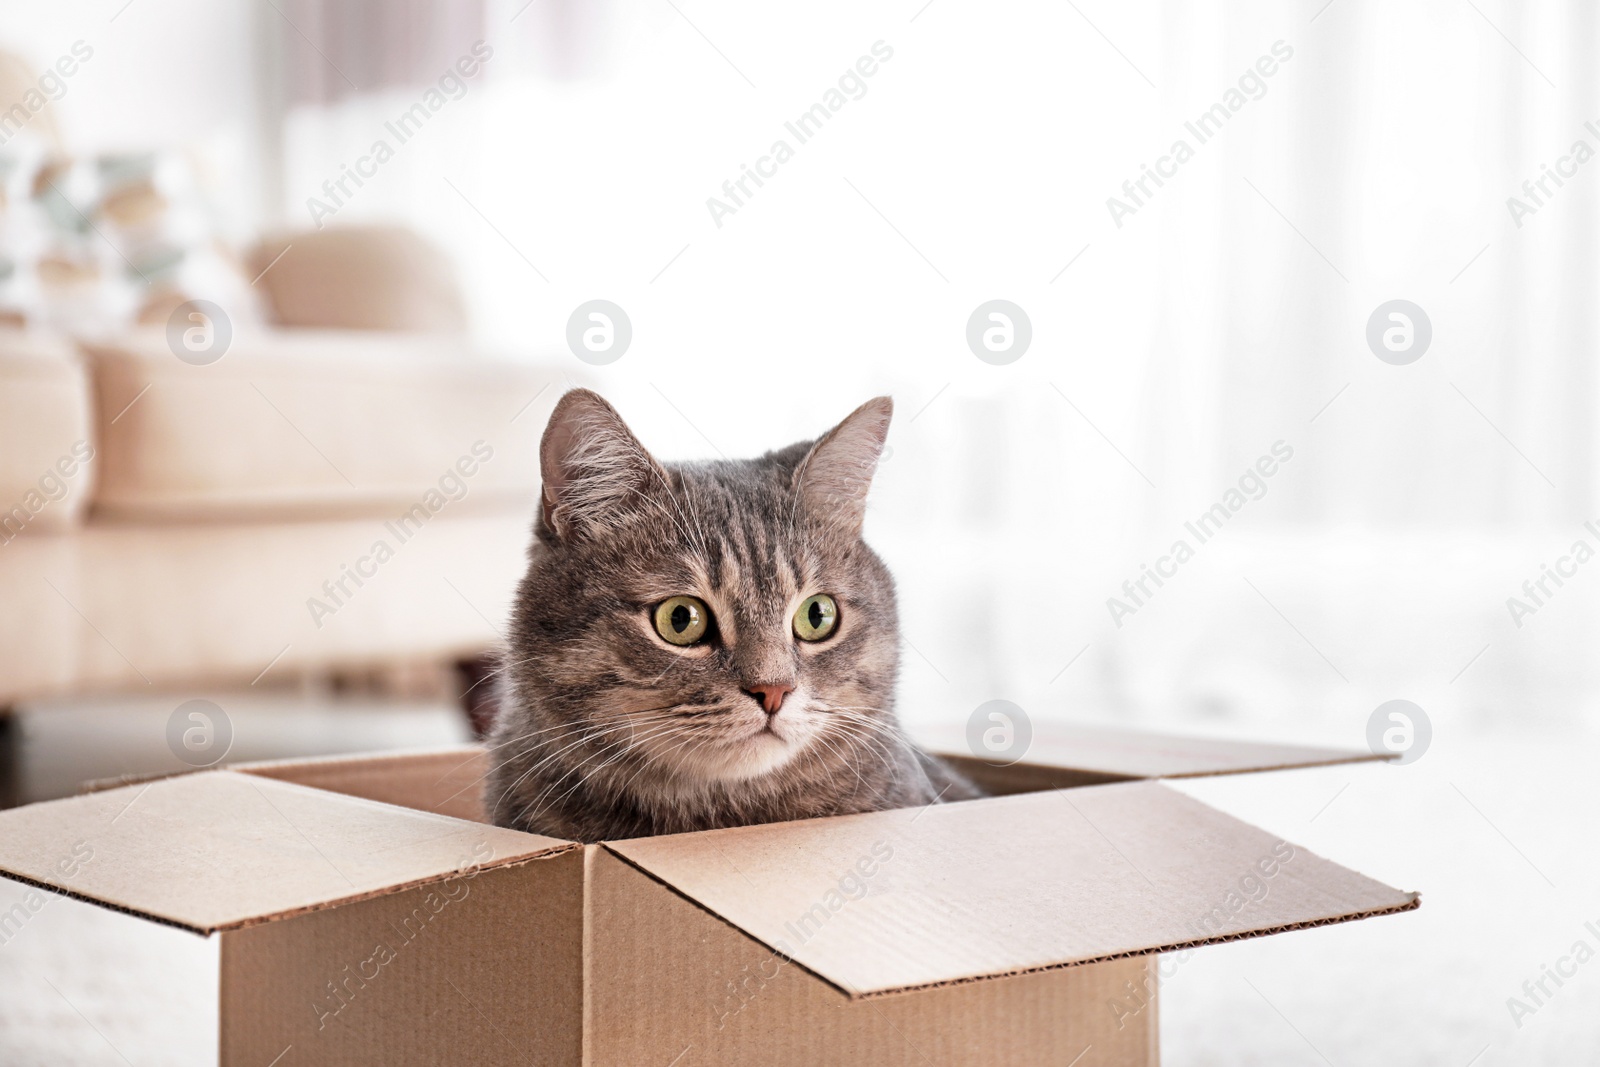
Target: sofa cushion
358,278
46,448
291,424
119,606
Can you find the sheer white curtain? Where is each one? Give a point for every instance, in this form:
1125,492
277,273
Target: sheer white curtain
1379,167
1227,314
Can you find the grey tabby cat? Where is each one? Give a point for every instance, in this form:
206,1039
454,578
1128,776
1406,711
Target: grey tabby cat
700,645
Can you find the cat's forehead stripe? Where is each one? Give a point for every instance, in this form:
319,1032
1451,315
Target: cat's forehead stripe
755,559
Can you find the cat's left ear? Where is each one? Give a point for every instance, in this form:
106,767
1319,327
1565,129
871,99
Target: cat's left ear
833,479
595,471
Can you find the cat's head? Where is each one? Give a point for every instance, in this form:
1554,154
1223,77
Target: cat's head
721,620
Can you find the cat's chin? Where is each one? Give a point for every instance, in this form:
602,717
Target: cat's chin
747,758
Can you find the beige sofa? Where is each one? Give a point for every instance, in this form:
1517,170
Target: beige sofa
311,501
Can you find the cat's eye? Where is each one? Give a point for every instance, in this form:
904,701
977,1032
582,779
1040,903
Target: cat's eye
682,620
816,617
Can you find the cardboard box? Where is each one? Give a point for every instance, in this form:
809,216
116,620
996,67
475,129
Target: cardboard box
366,914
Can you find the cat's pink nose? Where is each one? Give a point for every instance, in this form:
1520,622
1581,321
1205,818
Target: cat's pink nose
771,696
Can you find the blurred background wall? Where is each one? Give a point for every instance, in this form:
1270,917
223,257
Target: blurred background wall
1173,351
1178,337
1171,347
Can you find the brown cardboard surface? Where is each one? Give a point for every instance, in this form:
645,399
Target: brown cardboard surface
672,984
480,969
446,781
219,850
891,901
1025,924
1027,777
1120,753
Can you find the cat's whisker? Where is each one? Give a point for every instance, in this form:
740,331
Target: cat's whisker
867,715
870,717
627,717
649,757
497,671
693,517
865,742
592,731
622,752
676,662
586,735
505,793
493,767
867,734
683,753
688,538
822,739
867,730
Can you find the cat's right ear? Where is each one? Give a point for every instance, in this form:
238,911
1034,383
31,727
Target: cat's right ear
834,477
594,469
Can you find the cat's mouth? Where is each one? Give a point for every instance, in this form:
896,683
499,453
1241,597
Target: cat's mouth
767,736
754,751
749,744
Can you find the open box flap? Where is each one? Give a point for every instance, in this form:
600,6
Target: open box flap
218,850
1114,753
447,781
893,901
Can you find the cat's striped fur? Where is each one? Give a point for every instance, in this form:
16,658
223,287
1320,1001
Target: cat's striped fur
606,731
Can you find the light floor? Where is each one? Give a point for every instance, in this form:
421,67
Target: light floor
1497,829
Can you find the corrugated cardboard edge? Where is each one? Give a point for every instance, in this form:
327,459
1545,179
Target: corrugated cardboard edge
102,785
265,768
1337,757
207,931
587,976
444,781
1412,904
468,752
